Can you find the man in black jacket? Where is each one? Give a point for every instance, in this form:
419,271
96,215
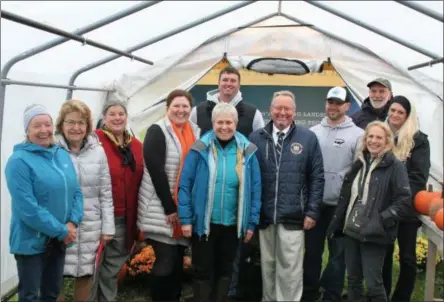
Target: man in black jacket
292,173
250,118
376,105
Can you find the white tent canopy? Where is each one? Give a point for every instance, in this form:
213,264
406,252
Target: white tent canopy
181,60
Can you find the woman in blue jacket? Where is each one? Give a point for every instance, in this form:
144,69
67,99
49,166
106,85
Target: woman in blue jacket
219,201
46,207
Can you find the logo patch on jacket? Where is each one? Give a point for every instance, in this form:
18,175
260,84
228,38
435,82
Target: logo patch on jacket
338,142
296,148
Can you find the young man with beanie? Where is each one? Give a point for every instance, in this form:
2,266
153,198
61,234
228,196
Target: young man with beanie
376,105
338,137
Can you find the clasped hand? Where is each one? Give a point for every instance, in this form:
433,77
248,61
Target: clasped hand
72,233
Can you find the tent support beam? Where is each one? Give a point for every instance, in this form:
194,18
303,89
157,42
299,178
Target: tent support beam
334,37
329,34
59,40
422,9
35,84
373,29
54,30
430,63
154,40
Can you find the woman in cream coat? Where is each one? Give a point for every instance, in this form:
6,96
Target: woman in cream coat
165,146
74,134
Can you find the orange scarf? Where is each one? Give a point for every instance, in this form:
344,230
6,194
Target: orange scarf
186,139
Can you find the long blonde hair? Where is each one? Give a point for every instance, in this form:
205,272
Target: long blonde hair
389,140
405,142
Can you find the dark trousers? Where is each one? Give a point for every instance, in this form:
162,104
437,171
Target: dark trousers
332,279
407,233
246,283
41,273
213,259
364,261
166,282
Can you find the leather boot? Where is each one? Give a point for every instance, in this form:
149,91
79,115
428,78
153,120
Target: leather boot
201,291
222,288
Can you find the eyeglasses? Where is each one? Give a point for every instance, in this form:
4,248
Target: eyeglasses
280,108
72,123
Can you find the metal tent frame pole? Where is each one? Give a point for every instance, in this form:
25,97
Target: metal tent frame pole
86,29
373,29
151,41
422,9
34,84
334,37
60,40
430,63
54,30
57,41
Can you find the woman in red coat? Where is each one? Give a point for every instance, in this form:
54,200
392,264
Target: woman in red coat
125,159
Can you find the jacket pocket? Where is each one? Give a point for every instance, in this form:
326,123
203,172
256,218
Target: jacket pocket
332,187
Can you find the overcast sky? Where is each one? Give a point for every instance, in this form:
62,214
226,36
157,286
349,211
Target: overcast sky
389,16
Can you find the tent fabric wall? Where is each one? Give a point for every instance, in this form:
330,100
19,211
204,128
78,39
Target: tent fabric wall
355,66
183,60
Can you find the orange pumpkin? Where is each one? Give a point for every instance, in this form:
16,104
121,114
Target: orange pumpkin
439,217
435,205
422,201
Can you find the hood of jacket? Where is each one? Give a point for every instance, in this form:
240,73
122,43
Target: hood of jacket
91,141
213,96
30,147
202,145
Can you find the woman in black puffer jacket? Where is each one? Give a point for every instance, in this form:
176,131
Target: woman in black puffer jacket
375,196
413,148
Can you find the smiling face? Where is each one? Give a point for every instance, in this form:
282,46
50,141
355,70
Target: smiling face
74,127
282,111
40,130
397,115
379,95
229,85
376,141
336,109
224,126
115,119
179,111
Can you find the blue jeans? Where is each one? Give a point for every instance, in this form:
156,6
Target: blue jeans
41,273
332,280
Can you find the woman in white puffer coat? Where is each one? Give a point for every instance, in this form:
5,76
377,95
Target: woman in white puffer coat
74,133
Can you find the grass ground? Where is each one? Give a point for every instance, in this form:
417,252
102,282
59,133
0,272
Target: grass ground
138,289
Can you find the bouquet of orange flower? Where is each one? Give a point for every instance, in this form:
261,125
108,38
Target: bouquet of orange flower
142,262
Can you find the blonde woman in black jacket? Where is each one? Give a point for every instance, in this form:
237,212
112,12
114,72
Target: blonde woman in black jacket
375,196
413,148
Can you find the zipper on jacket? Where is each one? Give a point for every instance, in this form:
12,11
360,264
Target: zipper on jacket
78,231
66,187
223,187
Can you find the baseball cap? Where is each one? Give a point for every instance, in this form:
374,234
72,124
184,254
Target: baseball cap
381,81
337,93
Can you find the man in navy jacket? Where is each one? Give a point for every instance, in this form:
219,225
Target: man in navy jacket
292,175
